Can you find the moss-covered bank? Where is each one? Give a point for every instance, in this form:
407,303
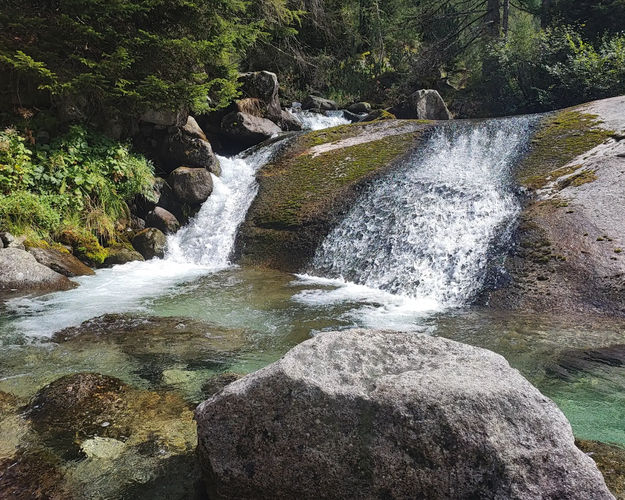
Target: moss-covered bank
304,192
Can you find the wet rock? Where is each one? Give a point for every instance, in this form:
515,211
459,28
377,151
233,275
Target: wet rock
191,185
369,414
314,103
150,243
165,342
288,121
352,117
118,256
359,108
97,414
423,105
20,271
247,129
29,476
10,241
61,262
610,460
164,220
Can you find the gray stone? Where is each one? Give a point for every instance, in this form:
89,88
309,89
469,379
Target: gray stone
150,243
360,108
11,241
163,219
370,414
20,271
118,256
289,122
61,262
315,103
191,185
248,130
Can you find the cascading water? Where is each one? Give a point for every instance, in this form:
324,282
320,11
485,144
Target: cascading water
202,247
318,121
425,231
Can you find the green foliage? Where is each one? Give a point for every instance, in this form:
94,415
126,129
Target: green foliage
81,178
132,55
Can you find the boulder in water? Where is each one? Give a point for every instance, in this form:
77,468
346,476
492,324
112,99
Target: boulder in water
118,256
191,185
370,414
163,219
423,105
288,121
314,103
150,243
20,271
181,149
247,129
61,262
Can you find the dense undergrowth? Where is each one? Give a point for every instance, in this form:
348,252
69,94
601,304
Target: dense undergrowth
74,189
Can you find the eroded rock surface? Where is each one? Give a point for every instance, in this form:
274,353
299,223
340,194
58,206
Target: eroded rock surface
370,414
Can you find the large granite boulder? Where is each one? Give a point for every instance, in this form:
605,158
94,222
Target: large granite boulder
247,129
62,262
150,243
119,256
423,105
20,271
372,414
180,149
191,185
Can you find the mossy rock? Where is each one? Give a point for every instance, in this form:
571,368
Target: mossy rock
306,190
560,138
85,246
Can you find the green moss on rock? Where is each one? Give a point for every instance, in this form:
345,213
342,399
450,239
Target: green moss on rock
561,138
610,460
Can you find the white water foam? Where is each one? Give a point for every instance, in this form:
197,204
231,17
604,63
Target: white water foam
423,235
202,247
317,121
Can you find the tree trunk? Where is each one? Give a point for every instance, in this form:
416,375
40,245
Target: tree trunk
506,18
493,17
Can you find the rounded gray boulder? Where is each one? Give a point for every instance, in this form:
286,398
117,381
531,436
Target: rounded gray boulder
191,185
20,271
370,414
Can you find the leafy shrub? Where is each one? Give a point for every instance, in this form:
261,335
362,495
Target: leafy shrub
81,178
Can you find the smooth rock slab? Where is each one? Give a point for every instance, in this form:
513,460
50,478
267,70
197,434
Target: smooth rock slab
19,271
370,414
61,262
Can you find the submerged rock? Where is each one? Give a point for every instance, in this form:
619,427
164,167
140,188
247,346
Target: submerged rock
61,262
366,414
610,460
150,243
20,271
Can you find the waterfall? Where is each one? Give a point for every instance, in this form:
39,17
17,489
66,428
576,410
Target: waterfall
426,231
202,247
318,121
